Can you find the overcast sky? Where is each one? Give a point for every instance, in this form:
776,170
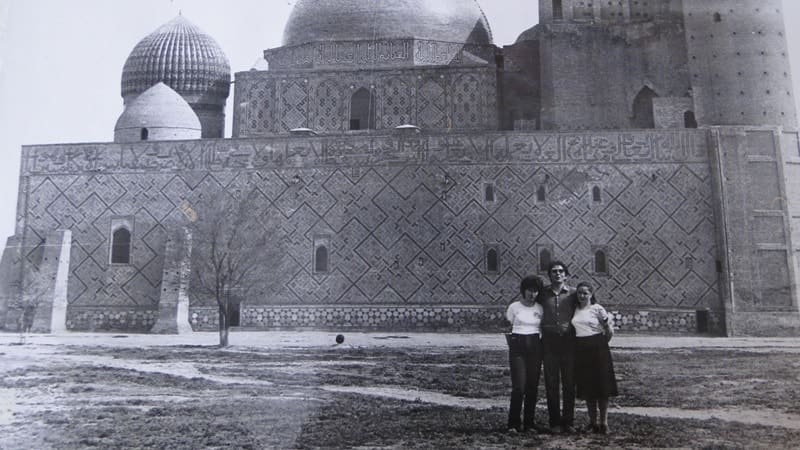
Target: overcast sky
61,61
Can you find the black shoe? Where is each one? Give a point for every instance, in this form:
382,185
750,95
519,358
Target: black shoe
603,429
569,429
555,429
592,428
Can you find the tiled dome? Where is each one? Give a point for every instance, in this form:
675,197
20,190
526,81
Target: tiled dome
460,21
163,112
181,56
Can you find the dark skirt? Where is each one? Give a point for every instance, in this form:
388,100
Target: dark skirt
594,369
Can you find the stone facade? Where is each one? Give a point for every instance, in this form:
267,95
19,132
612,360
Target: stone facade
407,218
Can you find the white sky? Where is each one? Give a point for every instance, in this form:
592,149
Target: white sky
61,61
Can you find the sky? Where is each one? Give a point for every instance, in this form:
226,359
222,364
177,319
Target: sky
61,62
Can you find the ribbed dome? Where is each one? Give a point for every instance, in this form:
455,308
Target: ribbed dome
460,21
183,57
163,112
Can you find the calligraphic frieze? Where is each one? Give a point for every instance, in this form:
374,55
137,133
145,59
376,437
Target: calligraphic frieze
668,146
384,52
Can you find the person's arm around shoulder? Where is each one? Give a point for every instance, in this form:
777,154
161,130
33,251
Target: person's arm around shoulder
605,320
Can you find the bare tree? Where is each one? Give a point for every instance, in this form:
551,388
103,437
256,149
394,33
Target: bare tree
234,243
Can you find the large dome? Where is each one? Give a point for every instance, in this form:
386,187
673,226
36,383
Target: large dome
460,21
181,56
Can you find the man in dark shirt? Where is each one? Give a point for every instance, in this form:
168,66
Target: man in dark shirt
558,337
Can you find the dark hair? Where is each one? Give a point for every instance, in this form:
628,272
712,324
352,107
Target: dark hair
557,263
586,285
531,283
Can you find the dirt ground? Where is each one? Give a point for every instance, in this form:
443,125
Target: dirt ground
376,391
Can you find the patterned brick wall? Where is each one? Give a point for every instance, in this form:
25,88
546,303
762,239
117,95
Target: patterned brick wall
433,98
407,218
427,318
110,319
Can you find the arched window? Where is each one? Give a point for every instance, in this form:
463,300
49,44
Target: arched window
541,194
144,134
492,263
643,109
558,10
597,196
544,259
717,17
489,193
321,259
600,262
121,246
689,120
362,110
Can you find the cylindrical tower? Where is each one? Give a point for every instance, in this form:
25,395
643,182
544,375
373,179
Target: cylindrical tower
190,62
739,62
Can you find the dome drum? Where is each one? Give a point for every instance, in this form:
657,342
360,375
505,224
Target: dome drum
387,53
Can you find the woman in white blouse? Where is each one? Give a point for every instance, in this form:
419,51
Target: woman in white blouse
525,354
594,369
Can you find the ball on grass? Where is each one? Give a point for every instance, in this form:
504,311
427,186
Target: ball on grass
339,338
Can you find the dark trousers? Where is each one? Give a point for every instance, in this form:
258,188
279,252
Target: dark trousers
559,369
525,359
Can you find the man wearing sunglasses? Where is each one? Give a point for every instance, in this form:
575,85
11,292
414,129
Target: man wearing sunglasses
558,338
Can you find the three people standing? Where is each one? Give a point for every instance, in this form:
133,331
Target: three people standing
572,328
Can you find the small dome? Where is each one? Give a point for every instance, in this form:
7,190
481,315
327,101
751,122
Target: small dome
460,21
158,114
183,57
531,34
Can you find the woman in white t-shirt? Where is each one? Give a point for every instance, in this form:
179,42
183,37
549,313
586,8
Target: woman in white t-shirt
525,354
594,370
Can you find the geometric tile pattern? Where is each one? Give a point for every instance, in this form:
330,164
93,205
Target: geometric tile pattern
430,318
258,109
294,105
433,98
432,105
328,107
467,107
398,106
406,219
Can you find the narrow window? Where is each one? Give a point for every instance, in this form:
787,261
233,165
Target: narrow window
596,194
492,264
362,110
689,120
121,246
600,262
643,109
489,193
541,194
558,11
321,259
144,134
544,260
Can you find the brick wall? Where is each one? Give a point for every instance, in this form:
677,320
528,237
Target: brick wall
406,217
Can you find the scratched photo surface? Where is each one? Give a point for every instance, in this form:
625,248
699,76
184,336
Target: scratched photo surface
402,187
